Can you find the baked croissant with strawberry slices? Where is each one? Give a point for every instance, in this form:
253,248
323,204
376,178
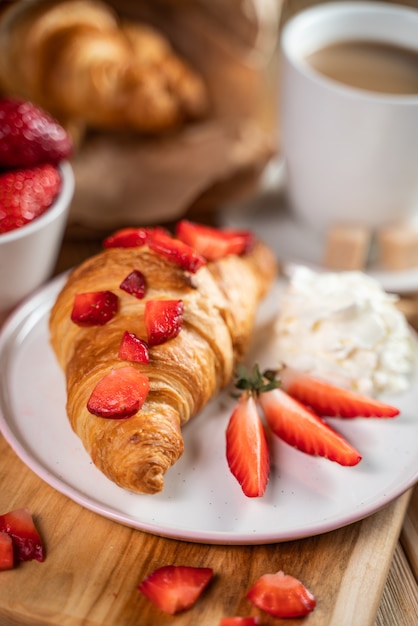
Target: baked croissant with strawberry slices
147,332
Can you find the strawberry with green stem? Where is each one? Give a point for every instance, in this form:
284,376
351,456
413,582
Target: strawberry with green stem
246,445
247,450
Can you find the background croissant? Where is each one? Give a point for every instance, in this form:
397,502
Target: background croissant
77,60
220,303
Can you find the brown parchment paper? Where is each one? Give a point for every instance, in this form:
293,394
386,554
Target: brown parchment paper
126,179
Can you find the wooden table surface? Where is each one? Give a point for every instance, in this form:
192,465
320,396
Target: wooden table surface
362,575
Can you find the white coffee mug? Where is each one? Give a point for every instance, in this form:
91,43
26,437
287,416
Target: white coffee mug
351,155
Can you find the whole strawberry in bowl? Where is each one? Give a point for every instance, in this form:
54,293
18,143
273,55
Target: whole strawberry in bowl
36,190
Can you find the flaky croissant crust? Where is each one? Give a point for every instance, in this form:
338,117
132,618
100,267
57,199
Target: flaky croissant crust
220,303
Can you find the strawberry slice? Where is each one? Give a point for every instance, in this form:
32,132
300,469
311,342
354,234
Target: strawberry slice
163,320
132,348
246,447
175,588
176,251
7,560
300,427
119,394
134,284
281,595
327,399
240,621
127,238
30,136
214,243
94,308
26,540
25,194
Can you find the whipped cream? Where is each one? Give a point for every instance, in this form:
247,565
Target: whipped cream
346,329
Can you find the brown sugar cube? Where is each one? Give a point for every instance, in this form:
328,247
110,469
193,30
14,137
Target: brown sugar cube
397,247
347,247
408,305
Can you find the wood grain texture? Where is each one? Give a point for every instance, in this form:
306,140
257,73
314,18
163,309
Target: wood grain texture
399,604
409,536
93,566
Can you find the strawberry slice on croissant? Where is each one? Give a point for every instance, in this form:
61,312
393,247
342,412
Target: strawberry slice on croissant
204,318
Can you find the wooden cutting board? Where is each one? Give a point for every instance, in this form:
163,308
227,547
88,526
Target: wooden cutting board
93,565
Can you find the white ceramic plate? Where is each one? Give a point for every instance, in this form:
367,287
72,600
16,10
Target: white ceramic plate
201,502
294,243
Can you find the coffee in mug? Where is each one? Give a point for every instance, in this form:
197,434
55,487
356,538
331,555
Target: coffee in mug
350,150
367,64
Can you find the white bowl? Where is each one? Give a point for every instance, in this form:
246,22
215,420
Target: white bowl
28,254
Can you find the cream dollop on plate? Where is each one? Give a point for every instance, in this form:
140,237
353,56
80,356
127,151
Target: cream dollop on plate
343,327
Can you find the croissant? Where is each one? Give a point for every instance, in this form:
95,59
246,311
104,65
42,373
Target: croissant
83,64
220,302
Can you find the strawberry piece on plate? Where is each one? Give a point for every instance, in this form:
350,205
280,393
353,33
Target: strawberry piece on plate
135,284
94,308
176,251
7,559
246,447
329,400
240,621
133,348
300,427
26,540
281,595
175,588
30,136
26,194
214,243
163,320
119,394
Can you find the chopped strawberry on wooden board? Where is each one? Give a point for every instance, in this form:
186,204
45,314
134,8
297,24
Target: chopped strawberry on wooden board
27,543
7,560
247,451
176,588
329,400
30,136
133,348
300,427
281,595
214,243
26,194
94,308
119,394
163,320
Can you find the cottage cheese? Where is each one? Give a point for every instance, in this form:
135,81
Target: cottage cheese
346,329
